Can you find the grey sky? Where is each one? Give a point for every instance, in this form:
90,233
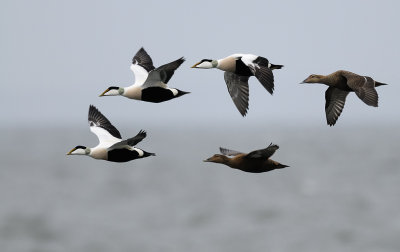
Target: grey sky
58,56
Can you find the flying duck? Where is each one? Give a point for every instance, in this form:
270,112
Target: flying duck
150,82
111,147
340,84
255,162
238,69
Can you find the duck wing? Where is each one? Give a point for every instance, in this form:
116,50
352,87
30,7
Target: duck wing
260,69
228,152
364,87
130,141
102,127
334,102
238,89
160,76
141,66
263,153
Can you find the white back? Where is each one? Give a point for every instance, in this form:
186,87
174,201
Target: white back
248,59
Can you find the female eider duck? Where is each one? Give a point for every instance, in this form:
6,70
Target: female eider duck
238,69
340,84
111,147
256,161
150,82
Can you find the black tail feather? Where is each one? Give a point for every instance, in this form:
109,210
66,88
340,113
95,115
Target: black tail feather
280,166
275,66
377,84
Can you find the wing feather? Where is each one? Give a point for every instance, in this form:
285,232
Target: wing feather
130,142
160,76
334,103
363,86
142,64
263,153
238,89
102,127
229,152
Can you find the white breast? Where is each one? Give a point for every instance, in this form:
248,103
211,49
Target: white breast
98,152
133,92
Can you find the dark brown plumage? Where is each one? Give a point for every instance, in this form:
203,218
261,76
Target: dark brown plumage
255,162
340,84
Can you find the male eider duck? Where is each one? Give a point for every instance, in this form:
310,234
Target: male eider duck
340,84
111,147
238,69
150,82
256,161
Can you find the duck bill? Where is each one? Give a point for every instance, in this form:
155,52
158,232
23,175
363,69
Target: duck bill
69,153
102,94
195,65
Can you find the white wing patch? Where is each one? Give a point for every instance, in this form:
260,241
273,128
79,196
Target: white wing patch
105,138
140,74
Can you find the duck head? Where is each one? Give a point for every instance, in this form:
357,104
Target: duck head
217,158
206,64
313,78
112,91
79,150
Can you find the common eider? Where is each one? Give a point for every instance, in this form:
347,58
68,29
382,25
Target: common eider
238,69
111,147
150,82
340,84
255,162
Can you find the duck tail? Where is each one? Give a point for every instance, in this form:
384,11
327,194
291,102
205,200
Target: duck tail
275,66
147,154
280,166
377,84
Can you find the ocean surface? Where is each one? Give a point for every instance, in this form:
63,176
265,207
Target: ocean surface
340,193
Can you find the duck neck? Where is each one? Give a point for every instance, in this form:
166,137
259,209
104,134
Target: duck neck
327,80
228,161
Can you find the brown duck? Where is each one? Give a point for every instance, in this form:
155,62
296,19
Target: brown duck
340,84
256,161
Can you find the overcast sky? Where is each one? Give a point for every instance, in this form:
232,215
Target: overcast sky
58,56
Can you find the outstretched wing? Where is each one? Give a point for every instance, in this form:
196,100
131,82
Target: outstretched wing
334,103
160,76
260,68
228,152
363,86
263,153
141,66
238,89
130,141
102,127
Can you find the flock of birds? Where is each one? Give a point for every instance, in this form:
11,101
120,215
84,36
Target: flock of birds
151,86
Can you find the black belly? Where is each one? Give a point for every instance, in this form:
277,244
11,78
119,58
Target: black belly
156,94
122,155
242,69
